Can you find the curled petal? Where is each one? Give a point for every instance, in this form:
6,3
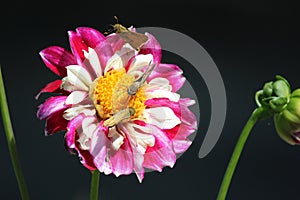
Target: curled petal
178,135
51,105
57,58
180,109
91,37
78,77
122,159
76,97
163,117
120,58
100,152
55,123
77,45
53,87
71,130
138,62
162,153
137,154
171,72
152,46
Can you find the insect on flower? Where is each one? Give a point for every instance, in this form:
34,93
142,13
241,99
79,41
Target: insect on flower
136,40
121,112
121,97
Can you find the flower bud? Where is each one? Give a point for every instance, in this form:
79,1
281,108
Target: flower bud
287,121
275,95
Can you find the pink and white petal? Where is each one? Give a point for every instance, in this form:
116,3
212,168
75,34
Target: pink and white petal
53,87
91,37
50,106
79,77
120,58
165,70
55,123
115,41
138,156
159,83
122,159
116,138
92,63
71,137
150,94
179,135
89,125
72,127
162,153
77,45
139,62
100,152
152,46
177,82
187,116
162,117
86,158
57,58
179,108
76,97
140,136
104,52
171,72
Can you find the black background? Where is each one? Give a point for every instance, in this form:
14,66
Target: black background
250,41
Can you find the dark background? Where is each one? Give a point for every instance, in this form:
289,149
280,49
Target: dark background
250,41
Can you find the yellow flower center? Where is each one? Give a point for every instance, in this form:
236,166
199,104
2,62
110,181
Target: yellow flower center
110,94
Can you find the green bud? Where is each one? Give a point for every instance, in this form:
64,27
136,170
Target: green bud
287,122
275,95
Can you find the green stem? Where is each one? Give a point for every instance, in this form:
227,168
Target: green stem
94,185
11,141
237,152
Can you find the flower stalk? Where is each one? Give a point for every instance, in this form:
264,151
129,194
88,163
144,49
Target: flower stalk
275,100
237,152
12,142
94,185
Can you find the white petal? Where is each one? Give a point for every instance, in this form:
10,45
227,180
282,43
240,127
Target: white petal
94,61
117,138
140,137
79,77
139,62
120,58
76,97
89,126
172,96
163,117
88,110
159,83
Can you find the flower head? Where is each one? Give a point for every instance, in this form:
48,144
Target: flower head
117,104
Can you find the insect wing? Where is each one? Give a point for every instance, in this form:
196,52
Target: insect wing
118,117
136,40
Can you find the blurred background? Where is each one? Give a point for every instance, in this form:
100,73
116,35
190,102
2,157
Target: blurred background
250,42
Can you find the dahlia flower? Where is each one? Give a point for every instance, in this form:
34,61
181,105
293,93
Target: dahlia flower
110,129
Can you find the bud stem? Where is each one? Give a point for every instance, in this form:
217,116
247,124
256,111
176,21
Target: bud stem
94,185
12,141
237,152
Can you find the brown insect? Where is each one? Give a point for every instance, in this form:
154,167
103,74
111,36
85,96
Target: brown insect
136,40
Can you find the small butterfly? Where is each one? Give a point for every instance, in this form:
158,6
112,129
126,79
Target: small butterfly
127,87
120,116
136,40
